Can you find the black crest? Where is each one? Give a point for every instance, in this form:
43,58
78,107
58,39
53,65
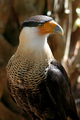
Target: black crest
35,21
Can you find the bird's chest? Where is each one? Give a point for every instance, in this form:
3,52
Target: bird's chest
27,73
27,77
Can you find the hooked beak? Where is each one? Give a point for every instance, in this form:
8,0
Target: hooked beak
51,27
58,29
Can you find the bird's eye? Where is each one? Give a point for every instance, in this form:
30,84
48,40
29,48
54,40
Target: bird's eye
40,25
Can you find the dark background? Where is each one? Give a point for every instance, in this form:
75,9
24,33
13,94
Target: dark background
65,49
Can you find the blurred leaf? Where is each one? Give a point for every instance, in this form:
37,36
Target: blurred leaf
78,11
72,0
76,23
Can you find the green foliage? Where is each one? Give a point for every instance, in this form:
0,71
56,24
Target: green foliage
72,0
78,11
77,21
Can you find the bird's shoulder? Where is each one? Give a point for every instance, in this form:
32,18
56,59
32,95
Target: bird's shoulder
56,72
58,87
57,81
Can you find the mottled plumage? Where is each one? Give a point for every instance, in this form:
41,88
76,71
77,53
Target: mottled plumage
36,81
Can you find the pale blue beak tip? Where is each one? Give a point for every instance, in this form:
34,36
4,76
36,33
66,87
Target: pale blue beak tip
59,30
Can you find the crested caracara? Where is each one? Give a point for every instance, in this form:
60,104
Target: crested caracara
36,81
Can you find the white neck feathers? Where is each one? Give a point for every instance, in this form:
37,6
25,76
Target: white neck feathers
31,40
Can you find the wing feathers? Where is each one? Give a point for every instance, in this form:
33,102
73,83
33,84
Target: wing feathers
59,90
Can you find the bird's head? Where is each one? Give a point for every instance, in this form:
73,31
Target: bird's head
37,27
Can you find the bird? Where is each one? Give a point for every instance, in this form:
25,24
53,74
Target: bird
37,82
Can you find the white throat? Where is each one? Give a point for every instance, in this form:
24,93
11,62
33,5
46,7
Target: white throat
31,40
29,37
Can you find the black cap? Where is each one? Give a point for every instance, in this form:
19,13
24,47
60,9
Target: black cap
35,21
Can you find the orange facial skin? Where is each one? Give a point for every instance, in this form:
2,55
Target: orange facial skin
47,28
